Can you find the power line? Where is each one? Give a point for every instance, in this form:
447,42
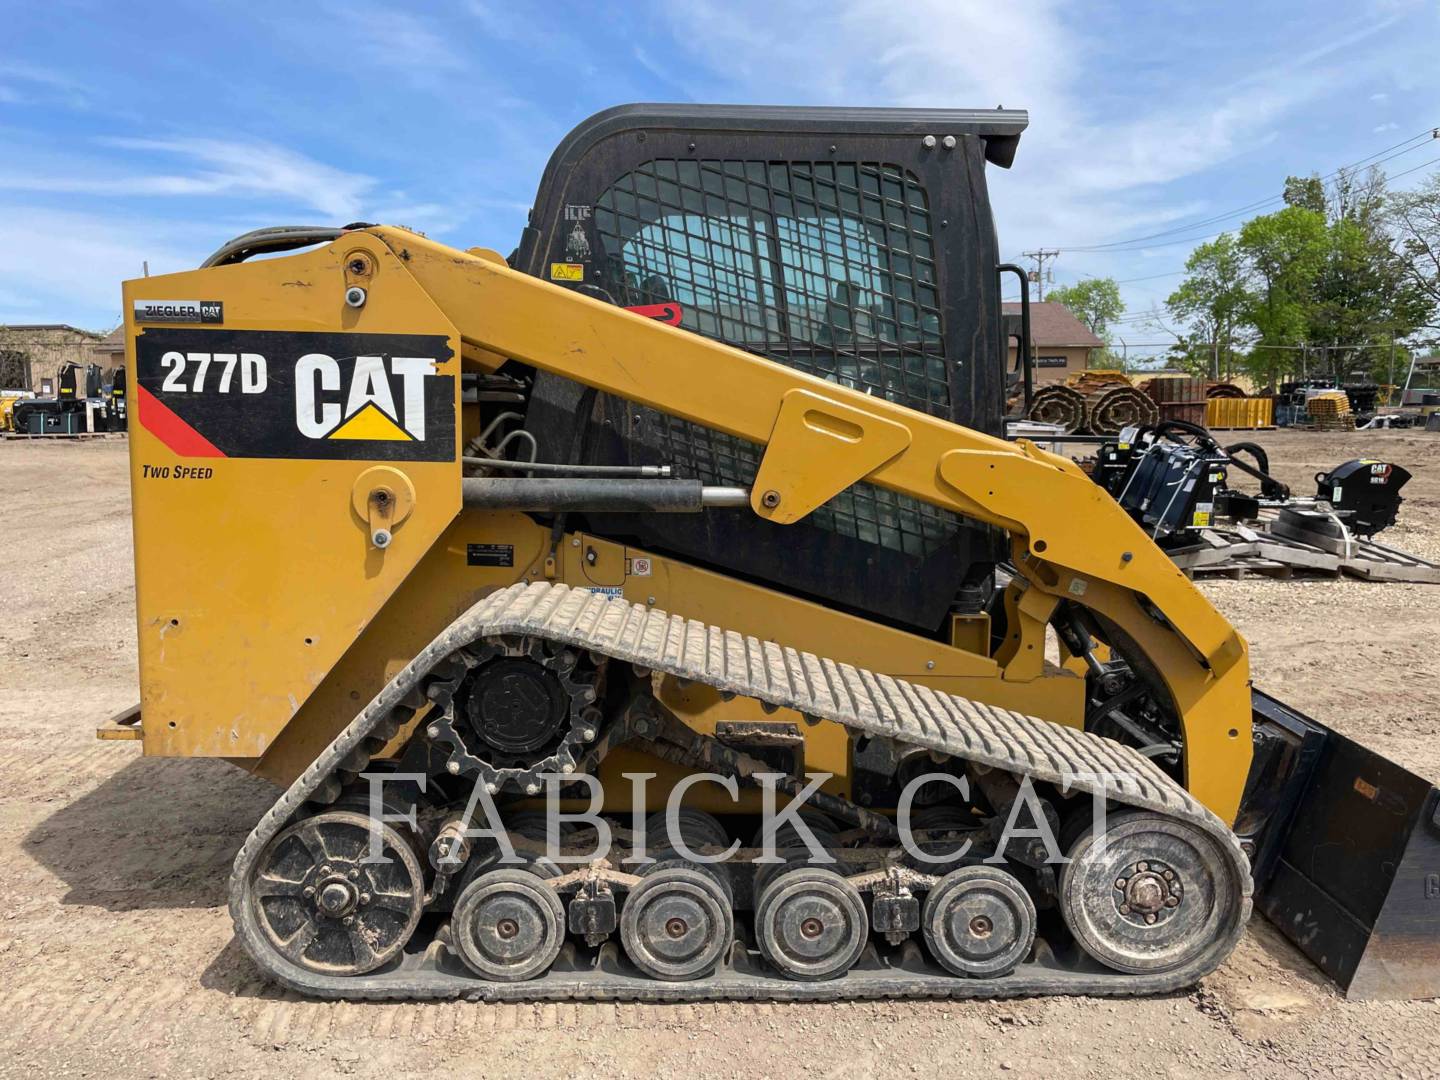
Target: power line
1177,273
1212,236
1417,168
1429,133
1152,277
1417,140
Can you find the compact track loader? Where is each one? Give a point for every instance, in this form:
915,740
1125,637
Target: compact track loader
695,508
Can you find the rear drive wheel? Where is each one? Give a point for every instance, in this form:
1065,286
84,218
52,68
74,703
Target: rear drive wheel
1158,896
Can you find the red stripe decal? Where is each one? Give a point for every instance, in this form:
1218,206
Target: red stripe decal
170,429
666,313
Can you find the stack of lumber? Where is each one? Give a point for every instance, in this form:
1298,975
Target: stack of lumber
1059,404
1268,548
1329,410
1093,380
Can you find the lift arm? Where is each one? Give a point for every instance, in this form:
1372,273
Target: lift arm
1071,540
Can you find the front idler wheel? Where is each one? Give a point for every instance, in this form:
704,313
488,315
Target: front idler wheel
979,921
322,906
1160,894
811,924
508,925
677,924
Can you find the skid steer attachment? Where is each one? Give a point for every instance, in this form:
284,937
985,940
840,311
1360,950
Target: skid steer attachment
1345,848
697,506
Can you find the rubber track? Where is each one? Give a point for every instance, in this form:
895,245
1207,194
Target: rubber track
861,700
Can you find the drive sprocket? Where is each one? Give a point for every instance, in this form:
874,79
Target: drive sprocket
522,711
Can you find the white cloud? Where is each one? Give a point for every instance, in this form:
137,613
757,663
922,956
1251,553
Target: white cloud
24,83
1087,170
396,39
1380,98
1381,128
878,51
216,167
70,265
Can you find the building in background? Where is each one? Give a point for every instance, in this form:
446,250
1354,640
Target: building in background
1063,343
109,351
31,355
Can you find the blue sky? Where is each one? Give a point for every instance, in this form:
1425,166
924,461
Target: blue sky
155,132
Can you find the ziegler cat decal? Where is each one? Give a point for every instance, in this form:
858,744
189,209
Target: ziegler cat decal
277,394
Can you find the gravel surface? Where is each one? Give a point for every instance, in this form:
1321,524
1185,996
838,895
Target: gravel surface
116,946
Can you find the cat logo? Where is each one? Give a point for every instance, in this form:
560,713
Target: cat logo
380,398
231,393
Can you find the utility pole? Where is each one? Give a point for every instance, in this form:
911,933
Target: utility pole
1040,257
1390,382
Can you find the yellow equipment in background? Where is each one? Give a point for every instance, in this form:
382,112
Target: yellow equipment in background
1246,413
407,511
7,412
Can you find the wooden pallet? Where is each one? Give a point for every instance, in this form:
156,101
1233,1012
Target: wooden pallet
1330,412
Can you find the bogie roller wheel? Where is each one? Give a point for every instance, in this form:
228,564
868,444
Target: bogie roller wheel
323,907
1161,894
811,924
979,921
508,925
677,924
697,828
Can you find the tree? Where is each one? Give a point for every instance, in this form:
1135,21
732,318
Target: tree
1364,294
1414,218
1213,301
1285,252
14,369
1096,303
1307,193
1330,277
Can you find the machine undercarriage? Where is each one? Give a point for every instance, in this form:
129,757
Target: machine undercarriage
976,900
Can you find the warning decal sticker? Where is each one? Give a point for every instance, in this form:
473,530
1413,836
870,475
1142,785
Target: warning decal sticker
281,394
666,313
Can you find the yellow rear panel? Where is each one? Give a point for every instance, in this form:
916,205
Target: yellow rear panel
252,459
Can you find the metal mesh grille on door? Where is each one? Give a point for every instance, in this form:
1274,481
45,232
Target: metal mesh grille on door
827,267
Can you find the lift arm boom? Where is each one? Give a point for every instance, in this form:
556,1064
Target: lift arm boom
1071,541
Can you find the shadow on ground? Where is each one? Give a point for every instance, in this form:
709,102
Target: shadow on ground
160,833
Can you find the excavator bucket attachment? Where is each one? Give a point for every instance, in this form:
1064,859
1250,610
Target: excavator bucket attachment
1345,849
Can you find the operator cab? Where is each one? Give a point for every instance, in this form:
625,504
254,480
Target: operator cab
856,245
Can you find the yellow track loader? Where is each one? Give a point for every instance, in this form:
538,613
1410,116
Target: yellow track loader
661,611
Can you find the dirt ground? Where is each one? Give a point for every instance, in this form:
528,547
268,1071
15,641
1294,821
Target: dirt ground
116,956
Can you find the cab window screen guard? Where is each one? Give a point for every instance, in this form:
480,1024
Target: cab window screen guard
827,267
